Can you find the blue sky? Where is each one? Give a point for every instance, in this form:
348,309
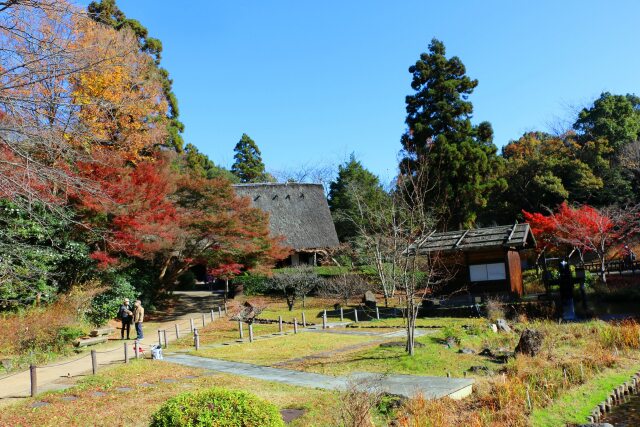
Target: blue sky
311,82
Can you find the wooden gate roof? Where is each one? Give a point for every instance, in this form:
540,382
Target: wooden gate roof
518,236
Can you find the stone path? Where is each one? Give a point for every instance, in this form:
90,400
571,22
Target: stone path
404,385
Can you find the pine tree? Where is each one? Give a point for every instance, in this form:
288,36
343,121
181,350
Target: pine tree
455,161
247,165
108,13
353,186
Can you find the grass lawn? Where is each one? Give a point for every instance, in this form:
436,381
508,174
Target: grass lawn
135,407
278,349
576,405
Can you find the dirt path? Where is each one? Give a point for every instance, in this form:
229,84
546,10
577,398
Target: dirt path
66,372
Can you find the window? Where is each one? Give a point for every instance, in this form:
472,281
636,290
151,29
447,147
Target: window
486,272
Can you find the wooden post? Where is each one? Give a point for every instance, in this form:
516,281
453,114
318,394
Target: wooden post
295,325
324,319
355,314
177,331
240,329
219,313
304,320
341,314
159,338
94,362
203,322
34,380
225,308
280,324
212,316
126,353
377,313
196,339
191,324
250,332
136,348
164,336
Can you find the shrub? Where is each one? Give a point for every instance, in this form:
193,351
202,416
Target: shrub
253,284
453,332
217,407
104,306
625,334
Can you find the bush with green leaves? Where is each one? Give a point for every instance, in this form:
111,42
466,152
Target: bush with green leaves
253,284
105,305
217,407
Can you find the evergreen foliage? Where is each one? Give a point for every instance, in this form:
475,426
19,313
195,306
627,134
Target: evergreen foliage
459,158
353,186
247,165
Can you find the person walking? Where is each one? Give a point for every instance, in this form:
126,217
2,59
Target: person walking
126,316
138,318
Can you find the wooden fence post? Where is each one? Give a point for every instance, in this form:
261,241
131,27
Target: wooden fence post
177,331
377,313
94,362
355,314
159,338
136,349
196,339
341,314
250,332
240,329
191,324
225,309
295,325
164,336
126,353
34,380
219,313
304,320
203,323
324,319
212,316
280,324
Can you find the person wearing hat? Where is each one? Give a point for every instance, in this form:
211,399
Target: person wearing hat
126,316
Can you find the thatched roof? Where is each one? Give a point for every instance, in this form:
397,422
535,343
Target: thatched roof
516,236
298,212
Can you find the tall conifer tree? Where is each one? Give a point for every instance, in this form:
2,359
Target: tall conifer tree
247,165
457,161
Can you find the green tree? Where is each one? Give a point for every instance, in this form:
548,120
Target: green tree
604,130
108,13
247,165
353,184
542,171
203,166
460,159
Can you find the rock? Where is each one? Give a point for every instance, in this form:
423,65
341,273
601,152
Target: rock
530,342
502,325
466,351
369,299
451,342
479,369
494,328
486,352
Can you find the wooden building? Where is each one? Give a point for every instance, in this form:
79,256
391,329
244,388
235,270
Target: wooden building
482,260
300,214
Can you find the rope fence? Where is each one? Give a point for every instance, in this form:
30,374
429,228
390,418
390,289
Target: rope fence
136,349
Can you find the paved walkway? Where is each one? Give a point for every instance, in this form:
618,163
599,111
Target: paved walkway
403,385
63,374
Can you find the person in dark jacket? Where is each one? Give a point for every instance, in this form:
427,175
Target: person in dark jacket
126,316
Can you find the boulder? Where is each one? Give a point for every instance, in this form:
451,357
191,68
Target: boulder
494,328
478,369
369,299
502,325
530,342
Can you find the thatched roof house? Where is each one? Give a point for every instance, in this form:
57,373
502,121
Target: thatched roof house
485,260
299,213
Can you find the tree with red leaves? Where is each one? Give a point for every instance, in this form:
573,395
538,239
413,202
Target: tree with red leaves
226,272
583,229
